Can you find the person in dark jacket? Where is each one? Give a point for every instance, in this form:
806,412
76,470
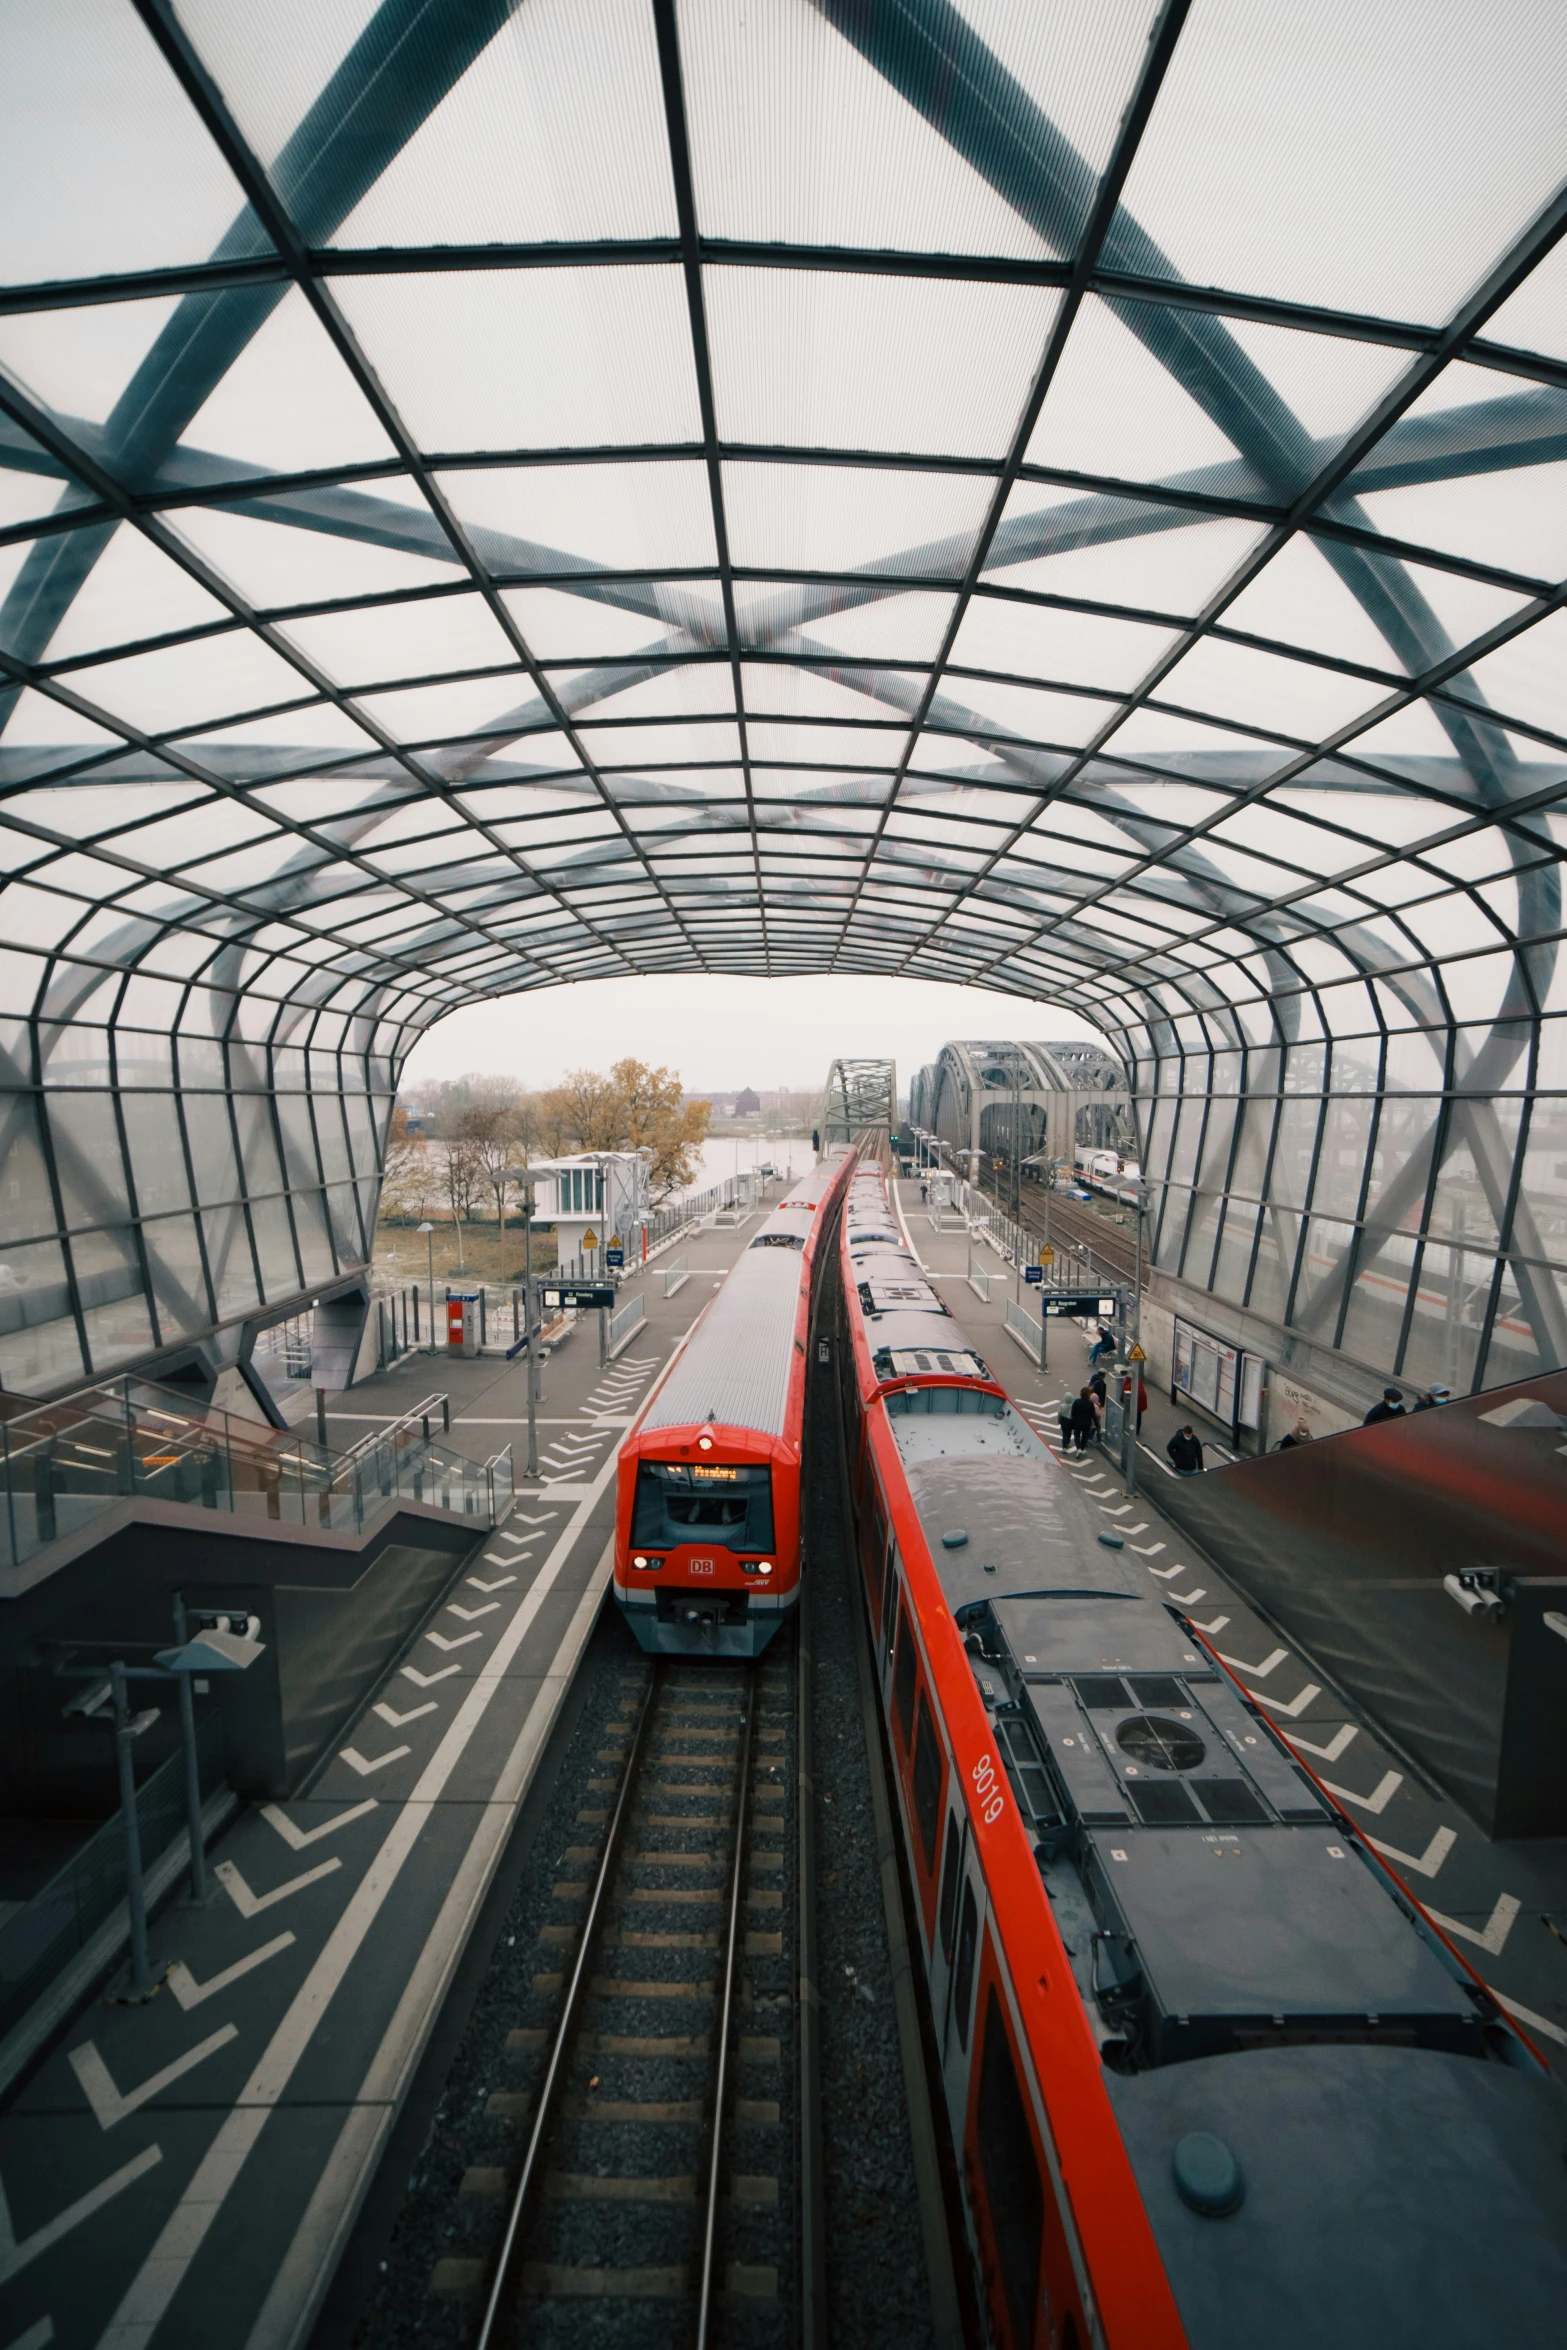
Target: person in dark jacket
1103,1347
1390,1408
1299,1434
1185,1451
1432,1397
1084,1420
1096,1388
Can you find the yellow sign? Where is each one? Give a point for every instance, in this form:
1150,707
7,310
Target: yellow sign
1135,1354
1047,1256
614,1240
590,1238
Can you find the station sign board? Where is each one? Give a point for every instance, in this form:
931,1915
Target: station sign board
1088,1304
614,1257
1033,1272
581,1294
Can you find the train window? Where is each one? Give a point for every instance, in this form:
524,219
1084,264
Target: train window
947,1915
963,1981
903,1678
927,1785
713,1502
891,1600
1013,2189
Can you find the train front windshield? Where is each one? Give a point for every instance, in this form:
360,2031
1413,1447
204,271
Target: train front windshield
703,1503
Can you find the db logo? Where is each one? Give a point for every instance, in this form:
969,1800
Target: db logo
701,1566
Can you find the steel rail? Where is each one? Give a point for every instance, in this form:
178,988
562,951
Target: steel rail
532,2161
731,1953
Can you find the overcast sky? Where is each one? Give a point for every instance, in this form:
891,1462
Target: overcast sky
725,1031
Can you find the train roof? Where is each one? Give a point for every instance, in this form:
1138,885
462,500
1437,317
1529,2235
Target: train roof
735,1368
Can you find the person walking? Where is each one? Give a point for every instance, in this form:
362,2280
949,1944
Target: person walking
1064,1415
1084,1420
1390,1408
1432,1397
1096,1388
1185,1451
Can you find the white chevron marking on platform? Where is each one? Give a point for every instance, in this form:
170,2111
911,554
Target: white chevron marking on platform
1124,1511
548,1518
110,2104
498,1558
428,1680
1189,1598
1168,1574
1342,1737
440,1640
365,1765
250,1904
1216,1626
397,1721
1139,1529
500,1583
1380,1797
191,1994
1296,1705
1525,2015
471,1615
1269,1664
16,2253
297,1838
1424,1864
1493,1938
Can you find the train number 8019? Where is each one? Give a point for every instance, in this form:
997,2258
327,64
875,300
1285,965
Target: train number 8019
987,1787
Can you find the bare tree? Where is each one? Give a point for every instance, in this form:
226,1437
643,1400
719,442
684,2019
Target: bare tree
462,1175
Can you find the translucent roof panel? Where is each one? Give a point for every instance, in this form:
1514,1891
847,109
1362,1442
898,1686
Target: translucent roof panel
744,515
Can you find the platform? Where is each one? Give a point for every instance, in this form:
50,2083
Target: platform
188,2170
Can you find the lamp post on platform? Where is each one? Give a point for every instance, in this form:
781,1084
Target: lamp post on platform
429,1241
521,1177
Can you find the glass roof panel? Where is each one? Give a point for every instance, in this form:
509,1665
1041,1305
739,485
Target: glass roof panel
1336,157
853,518
423,638
288,402
582,150
1114,408
160,691
626,517
1536,316
1113,551
1033,640
827,360
560,626
103,164
1511,521
272,564
78,362
1526,678
134,591
459,355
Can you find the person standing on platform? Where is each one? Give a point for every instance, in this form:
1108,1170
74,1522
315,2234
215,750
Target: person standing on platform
1185,1451
1096,1388
1064,1415
1390,1408
1084,1420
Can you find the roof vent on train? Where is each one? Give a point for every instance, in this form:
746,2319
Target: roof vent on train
779,1240
909,1362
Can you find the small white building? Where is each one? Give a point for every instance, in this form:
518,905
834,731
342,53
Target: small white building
595,1197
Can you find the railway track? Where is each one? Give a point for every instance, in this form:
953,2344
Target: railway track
647,2205
1068,1220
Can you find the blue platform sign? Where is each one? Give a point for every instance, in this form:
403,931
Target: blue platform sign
1033,1272
614,1257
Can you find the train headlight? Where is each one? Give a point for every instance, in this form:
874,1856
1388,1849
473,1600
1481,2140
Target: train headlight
704,1444
649,1566
756,1566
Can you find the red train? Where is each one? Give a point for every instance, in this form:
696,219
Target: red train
1211,2077
707,1514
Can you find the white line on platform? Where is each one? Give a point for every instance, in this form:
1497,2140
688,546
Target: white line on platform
1190,1598
1380,1797
1280,1656
440,1640
428,1680
1296,1705
1147,1550
297,1838
1217,1625
250,1904
191,1994
111,2105
1342,1737
500,1583
471,1615
146,2299
1424,1864
365,1764
1168,1574
15,2254
1526,2015
396,1721
1492,1938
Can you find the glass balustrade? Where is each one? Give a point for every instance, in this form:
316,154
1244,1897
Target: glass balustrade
68,1463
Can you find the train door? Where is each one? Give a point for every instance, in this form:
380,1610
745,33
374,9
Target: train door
944,1947
961,1937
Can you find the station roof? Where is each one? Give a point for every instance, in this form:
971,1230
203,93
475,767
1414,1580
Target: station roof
1063,497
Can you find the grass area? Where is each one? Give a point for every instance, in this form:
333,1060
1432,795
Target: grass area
401,1253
